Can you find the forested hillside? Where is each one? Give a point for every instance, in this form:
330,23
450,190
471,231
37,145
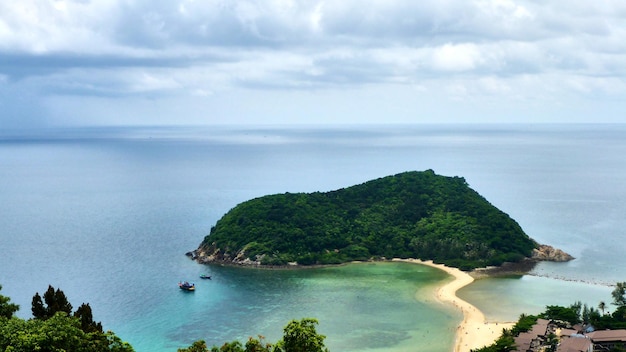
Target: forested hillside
412,214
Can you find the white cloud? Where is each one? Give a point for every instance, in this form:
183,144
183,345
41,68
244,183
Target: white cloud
461,57
316,18
506,10
146,82
517,50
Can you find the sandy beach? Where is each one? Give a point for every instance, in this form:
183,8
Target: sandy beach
474,331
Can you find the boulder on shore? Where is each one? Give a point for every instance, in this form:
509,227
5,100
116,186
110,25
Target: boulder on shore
550,254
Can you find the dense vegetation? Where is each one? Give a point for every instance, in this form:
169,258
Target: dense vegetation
413,214
299,336
54,327
577,313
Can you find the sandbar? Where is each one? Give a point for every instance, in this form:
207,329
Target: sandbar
474,331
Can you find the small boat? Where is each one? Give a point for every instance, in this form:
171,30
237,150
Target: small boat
203,276
186,286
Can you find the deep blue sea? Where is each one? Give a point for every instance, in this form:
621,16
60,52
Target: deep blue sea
106,214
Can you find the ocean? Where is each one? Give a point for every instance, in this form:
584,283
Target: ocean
107,214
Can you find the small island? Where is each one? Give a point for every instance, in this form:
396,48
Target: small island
409,215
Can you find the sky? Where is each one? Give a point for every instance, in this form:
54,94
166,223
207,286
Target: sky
184,62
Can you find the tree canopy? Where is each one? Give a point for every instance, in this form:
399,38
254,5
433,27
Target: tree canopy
299,336
7,309
408,215
54,328
618,294
55,301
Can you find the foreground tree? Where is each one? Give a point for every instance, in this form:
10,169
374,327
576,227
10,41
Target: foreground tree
55,301
569,314
7,309
198,346
299,336
58,333
85,316
618,294
54,328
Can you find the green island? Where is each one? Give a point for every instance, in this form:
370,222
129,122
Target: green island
409,215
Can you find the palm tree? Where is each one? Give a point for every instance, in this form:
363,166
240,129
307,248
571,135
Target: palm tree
602,306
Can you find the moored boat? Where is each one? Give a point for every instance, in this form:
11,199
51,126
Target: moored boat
186,286
203,276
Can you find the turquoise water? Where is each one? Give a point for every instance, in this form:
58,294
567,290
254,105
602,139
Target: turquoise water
379,307
106,214
530,295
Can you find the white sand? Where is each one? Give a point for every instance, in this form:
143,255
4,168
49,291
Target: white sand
474,331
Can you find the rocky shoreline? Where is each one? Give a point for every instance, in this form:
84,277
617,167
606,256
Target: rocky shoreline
540,254
547,253
543,253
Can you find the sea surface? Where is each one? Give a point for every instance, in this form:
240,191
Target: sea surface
107,214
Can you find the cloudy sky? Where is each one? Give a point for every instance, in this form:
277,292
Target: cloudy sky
151,62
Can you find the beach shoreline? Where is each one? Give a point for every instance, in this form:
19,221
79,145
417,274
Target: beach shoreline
474,331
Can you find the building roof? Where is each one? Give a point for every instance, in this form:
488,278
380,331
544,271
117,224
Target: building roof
525,339
574,344
522,342
608,335
567,332
540,328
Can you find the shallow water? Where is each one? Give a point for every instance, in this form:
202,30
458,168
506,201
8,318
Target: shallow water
530,295
379,307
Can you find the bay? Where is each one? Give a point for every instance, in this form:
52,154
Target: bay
106,214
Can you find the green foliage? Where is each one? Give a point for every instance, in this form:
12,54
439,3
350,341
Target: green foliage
7,309
253,345
570,314
258,345
524,324
618,294
412,214
551,343
198,346
57,333
234,346
85,316
55,301
55,329
299,336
